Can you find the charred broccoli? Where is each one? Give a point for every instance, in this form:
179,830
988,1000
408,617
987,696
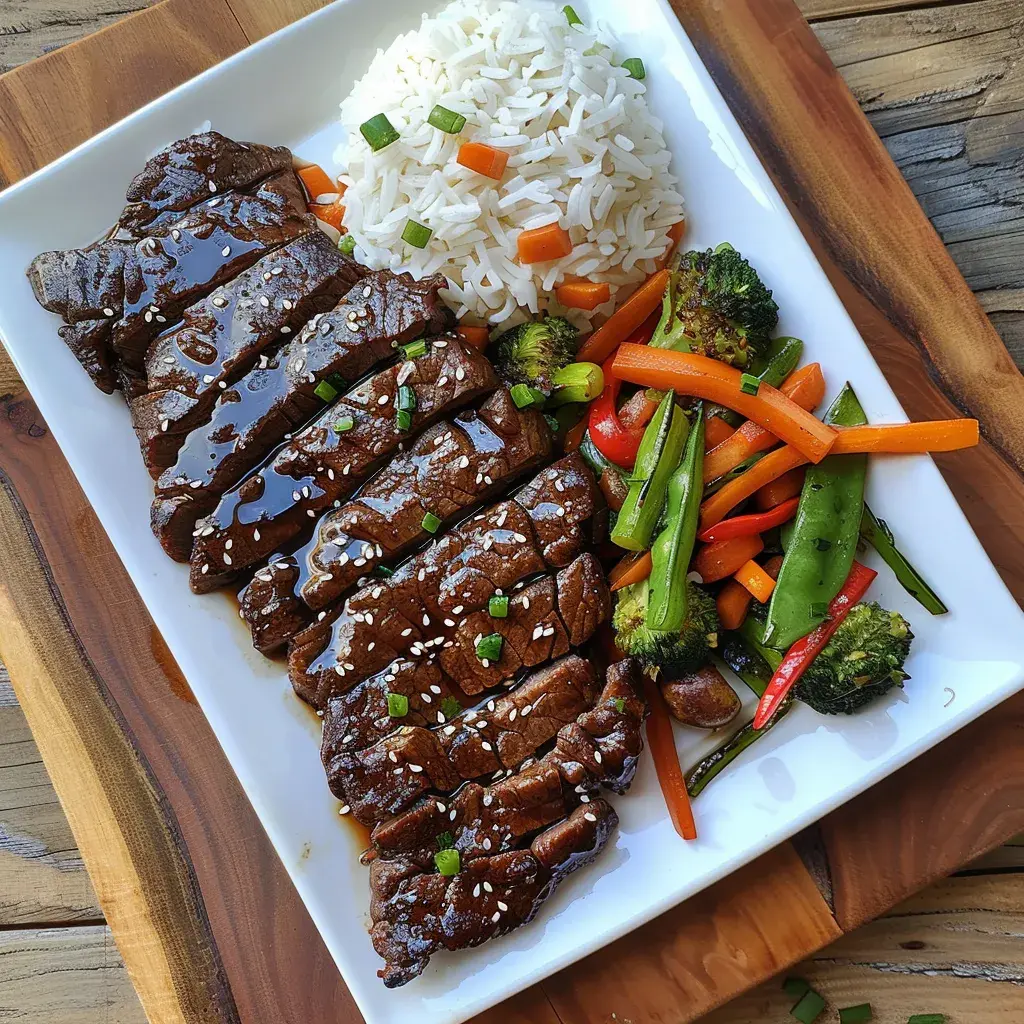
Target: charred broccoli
716,305
677,652
863,660
534,352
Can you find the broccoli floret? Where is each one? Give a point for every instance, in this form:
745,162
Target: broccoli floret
677,653
534,352
863,660
717,306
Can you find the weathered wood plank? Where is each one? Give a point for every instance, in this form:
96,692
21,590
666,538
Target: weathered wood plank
816,9
65,976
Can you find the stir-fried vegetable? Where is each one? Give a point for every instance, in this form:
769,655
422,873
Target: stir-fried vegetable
673,548
617,442
583,294
756,522
766,469
538,245
717,561
486,160
877,533
909,438
317,182
625,320
824,540
666,762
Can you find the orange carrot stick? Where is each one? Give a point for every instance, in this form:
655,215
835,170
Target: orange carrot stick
583,294
486,160
701,377
666,762
625,320
908,438
770,468
716,433
330,213
805,386
317,181
787,486
632,569
716,561
751,576
733,602
538,245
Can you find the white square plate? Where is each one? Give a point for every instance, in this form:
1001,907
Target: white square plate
286,90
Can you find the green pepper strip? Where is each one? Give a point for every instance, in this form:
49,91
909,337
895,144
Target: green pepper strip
820,552
780,359
671,552
879,536
656,461
745,660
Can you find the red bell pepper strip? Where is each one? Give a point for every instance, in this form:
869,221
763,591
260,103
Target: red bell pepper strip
805,650
756,522
610,437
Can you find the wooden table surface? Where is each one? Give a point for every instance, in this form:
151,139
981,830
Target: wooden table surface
943,83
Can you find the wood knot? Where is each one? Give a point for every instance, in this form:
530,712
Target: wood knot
22,414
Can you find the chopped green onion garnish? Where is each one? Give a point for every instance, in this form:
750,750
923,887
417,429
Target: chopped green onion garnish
447,862
809,1008
325,392
430,523
398,705
927,1018
336,381
749,384
855,1014
795,988
635,67
406,398
403,418
446,120
345,423
416,234
498,606
414,349
571,16
384,572
620,705
523,395
450,707
445,841
488,648
347,245
378,132
553,425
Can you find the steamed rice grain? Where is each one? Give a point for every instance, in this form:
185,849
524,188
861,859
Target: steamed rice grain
584,151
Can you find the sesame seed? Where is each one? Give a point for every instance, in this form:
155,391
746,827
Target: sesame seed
164,424
519,538
219,301
107,311
590,817
460,374
441,381
148,317
597,756
486,746
205,569
487,885
526,710
286,330
440,344
227,559
208,378
584,799
457,610
417,768
384,399
359,562
502,906
212,186
264,302
538,632
512,714
228,544
226,251
426,619
392,756
449,623
452,814
449,730
344,809
495,917
476,890
223,385
397,771
526,604
277,270
406,632
296,496
441,807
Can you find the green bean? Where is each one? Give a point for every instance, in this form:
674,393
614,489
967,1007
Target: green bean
877,533
824,538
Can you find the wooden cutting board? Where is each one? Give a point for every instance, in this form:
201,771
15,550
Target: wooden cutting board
204,915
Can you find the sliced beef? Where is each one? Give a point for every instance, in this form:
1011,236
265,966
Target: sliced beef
328,460
90,343
416,911
385,778
223,336
191,170
491,896
280,396
209,245
451,467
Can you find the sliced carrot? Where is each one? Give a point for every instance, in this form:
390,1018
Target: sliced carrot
662,742
475,337
583,294
733,602
701,377
771,467
787,486
332,213
625,320
317,181
538,245
483,159
675,236
574,435
751,576
716,561
805,386
716,432
908,438
632,569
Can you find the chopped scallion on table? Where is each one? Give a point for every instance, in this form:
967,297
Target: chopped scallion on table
430,523
398,705
927,1018
855,1014
347,245
414,349
447,862
344,424
378,132
571,16
416,234
445,120
498,606
325,392
749,384
809,1008
488,648
635,67
795,988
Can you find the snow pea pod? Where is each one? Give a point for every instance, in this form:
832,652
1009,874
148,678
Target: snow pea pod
824,538
877,533
673,548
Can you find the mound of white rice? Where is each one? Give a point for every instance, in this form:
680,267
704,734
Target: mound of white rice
584,151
